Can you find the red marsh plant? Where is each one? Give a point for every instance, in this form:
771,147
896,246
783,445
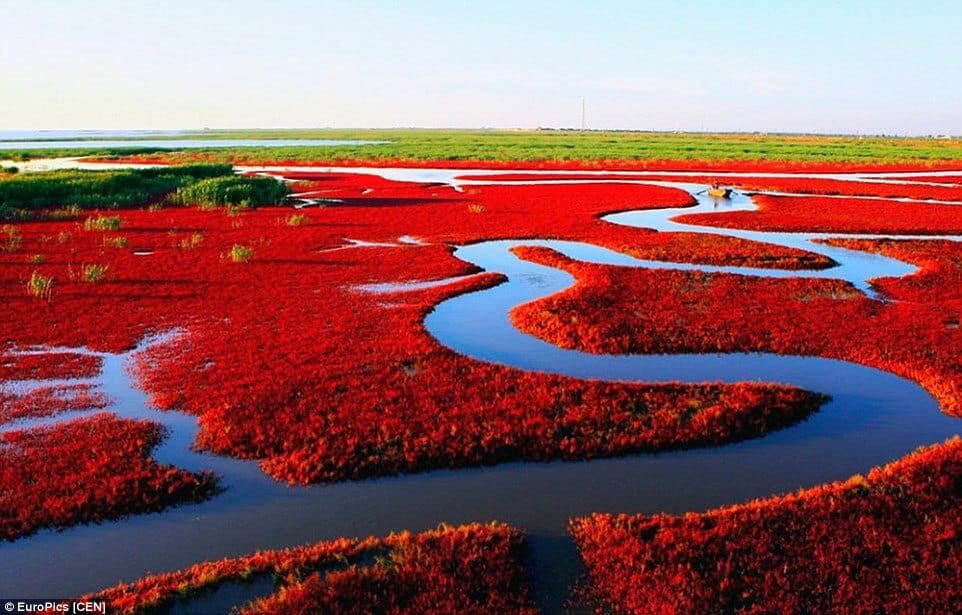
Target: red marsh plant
110,457
468,569
887,542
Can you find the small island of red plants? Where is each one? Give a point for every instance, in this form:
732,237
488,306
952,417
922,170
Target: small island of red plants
87,470
49,400
816,214
48,366
888,542
467,569
623,310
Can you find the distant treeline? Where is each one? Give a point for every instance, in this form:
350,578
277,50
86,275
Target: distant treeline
23,195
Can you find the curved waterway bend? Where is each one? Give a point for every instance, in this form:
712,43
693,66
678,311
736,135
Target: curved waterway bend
874,417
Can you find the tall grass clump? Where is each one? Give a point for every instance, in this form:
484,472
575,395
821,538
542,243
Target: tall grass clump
240,254
103,223
39,286
295,220
192,242
10,238
93,272
233,191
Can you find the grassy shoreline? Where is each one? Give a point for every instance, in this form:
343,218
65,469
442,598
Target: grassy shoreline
550,145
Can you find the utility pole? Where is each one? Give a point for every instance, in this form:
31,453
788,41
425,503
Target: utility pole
584,116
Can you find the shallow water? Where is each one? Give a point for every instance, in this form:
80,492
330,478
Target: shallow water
874,417
44,135
177,143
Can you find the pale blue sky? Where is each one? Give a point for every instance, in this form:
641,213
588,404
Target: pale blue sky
799,66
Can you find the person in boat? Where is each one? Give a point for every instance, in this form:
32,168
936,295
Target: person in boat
717,191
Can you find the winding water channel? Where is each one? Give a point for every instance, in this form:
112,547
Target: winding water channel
874,417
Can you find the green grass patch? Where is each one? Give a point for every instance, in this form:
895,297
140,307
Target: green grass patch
567,145
31,154
545,145
232,192
24,194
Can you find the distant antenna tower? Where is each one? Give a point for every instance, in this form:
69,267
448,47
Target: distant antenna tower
584,115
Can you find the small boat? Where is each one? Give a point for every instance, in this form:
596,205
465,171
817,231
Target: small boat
720,193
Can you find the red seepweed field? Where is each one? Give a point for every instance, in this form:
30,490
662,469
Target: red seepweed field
276,344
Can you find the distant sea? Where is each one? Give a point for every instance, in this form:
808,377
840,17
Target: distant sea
40,135
161,139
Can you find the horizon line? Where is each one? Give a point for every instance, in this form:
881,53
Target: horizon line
208,129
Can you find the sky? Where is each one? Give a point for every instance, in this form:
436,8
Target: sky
855,67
